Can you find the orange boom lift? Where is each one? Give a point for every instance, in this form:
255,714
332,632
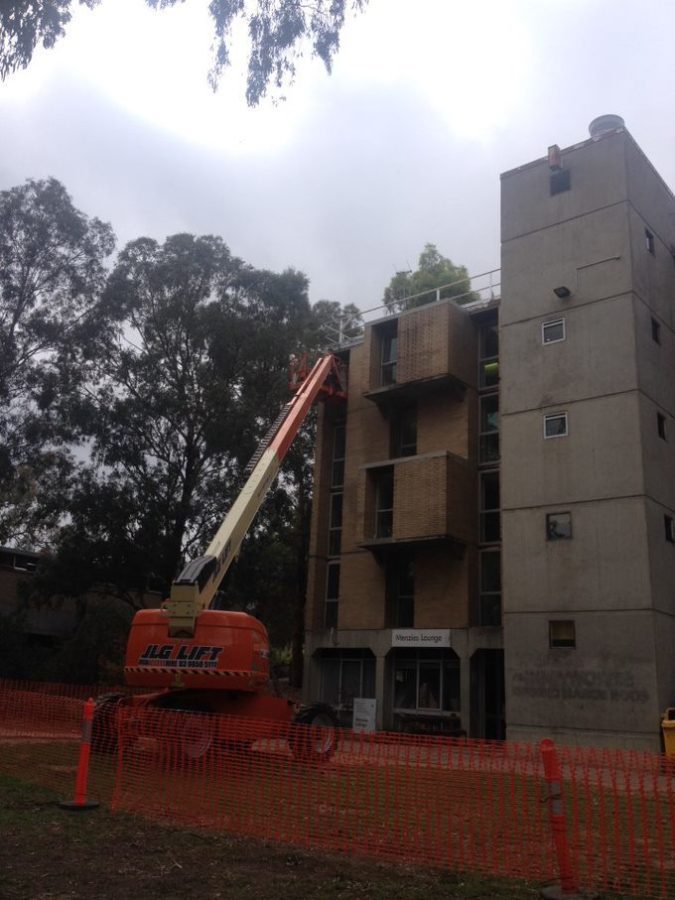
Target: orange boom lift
195,658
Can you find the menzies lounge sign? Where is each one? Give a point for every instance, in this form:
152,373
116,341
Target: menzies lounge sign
420,637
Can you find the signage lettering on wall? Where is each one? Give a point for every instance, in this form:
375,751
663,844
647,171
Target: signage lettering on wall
420,637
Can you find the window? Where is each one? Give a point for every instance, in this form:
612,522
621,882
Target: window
335,525
559,182
401,591
555,425
489,507
384,503
338,469
345,675
552,332
389,355
656,331
404,432
490,610
661,425
332,594
670,529
561,633
649,241
558,526
489,428
426,681
489,356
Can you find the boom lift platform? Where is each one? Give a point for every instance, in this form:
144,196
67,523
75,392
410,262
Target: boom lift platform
194,658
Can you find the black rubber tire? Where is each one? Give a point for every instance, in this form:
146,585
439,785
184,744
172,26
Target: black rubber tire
195,736
314,736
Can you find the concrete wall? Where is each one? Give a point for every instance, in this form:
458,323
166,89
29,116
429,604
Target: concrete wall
612,472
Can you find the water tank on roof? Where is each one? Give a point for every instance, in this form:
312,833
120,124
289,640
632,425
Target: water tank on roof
605,125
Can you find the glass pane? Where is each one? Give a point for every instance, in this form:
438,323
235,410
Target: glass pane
338,475
489,373
384,527
335,510
389,348
333,581
335,542
562,634
553,331
331,680
489,447
429,696
490,576
389,374
331,619
555,425
489,341
368,678
489,490
405,612
351,681
490,527
339,442
491,609
405,686
558,526
489,413
451,687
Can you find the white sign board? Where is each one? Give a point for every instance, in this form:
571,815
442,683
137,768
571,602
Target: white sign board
365,709
420,637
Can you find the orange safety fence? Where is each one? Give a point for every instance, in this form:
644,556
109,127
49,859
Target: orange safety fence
461,804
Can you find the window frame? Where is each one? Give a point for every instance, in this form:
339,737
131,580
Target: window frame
669,525
389,354
416,662
485,434
548,417
661,426
379,475
549,324
331,602
403,418
656,330
486,597
650,241
395,595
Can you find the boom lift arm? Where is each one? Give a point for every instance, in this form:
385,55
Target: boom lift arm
196,585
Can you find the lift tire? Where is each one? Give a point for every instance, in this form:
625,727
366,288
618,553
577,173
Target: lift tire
315,735
194,735
104,727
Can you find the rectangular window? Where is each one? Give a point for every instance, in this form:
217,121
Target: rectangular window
404,432
489,507
427,682
649,241
552,332
345,676
332,594
555,425
562,633
489,356
490,581
338,469
661,425
489,428
335,525
389,355
559,182
656,331
401,591
558,526
384,503
669,525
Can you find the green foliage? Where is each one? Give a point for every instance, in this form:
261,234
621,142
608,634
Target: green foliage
433,271
51,272
277,32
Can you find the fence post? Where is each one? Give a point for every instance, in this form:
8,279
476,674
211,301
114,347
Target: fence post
553,776
80,803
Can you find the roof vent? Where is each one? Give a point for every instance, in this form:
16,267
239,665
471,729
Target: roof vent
605,125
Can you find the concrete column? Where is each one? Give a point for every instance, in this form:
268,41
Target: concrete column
380,684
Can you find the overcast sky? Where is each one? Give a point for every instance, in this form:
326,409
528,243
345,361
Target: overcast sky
348,178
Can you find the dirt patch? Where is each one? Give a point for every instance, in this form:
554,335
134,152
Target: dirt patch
49,854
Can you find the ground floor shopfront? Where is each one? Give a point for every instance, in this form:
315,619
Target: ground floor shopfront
439,681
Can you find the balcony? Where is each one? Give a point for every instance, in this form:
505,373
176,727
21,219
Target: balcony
429,349
425,498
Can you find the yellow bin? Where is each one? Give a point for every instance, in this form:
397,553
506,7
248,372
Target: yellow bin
668,726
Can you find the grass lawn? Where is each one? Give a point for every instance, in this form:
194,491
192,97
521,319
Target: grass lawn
49,853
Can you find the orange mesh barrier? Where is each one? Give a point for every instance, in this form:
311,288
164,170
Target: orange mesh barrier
460,804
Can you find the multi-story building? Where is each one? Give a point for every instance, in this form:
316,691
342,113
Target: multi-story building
568,626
